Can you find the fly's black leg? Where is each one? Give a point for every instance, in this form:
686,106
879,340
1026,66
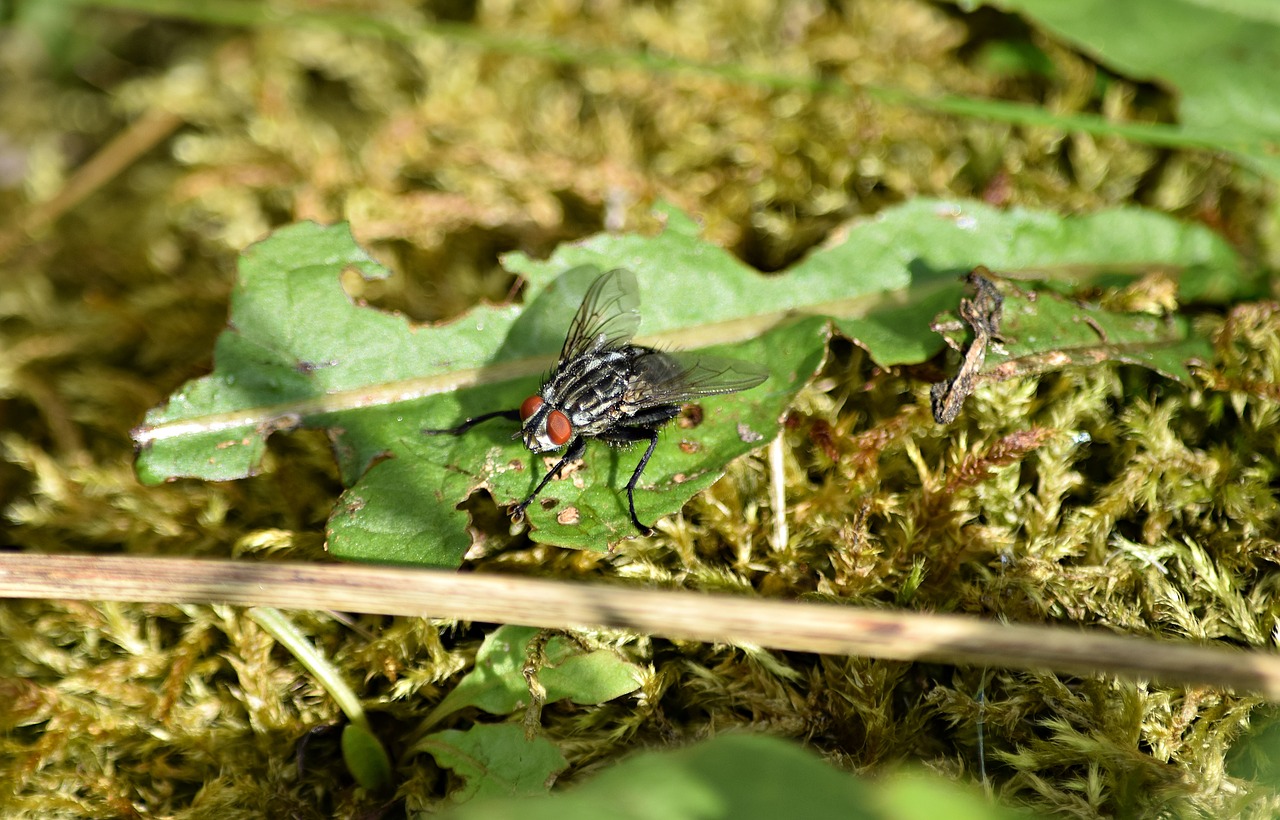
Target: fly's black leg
576,448
513,415
623,436
631,485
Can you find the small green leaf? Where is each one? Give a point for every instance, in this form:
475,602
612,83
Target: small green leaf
586,677
495,761
498,686
365,758
918,795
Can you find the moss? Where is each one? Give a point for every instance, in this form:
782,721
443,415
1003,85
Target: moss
1102,496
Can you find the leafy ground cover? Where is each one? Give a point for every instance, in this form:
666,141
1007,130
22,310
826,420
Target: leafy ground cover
266,247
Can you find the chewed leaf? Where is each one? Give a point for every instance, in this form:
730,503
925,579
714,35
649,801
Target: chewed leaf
298,352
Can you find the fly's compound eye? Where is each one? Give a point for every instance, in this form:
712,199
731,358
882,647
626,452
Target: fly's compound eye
558,427
530,406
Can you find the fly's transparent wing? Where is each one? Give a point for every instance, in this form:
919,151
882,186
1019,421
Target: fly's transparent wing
672,378
609,316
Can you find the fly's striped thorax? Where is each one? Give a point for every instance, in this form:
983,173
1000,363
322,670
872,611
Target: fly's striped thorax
588,389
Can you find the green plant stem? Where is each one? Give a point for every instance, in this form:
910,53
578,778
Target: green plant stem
280,627
252,14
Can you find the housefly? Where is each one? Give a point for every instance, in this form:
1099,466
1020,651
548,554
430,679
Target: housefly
606,388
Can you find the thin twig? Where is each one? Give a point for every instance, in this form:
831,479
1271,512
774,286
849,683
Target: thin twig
140,137
982,314
789,625
778,492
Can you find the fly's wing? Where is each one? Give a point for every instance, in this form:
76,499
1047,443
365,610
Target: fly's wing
608,317
673,378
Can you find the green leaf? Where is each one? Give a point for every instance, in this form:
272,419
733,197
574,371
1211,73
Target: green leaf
495,761
365,758
918,795
746,777
1221,58
498,686
298,352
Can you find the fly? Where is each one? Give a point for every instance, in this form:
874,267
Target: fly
606,388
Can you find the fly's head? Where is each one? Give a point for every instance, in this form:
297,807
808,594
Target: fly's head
543,427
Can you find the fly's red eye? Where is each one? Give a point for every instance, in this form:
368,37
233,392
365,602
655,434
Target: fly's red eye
558,427
530,406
